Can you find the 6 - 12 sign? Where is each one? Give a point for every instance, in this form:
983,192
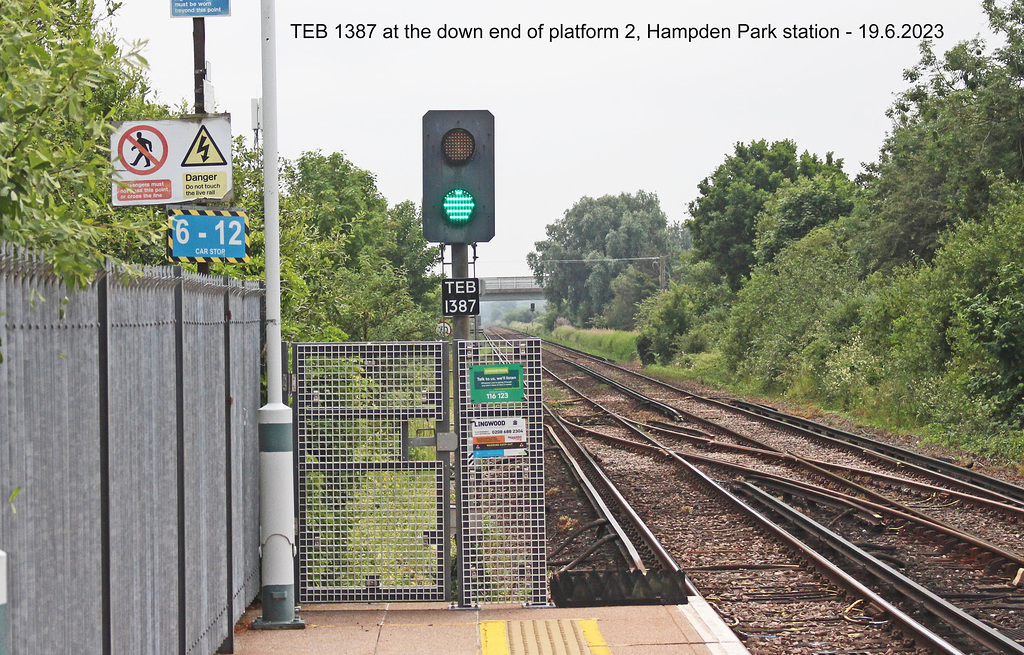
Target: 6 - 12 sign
460,296
201,235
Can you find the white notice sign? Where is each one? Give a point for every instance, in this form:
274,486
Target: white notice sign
500,436
171,161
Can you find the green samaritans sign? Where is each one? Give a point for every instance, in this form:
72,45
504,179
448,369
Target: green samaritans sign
496,384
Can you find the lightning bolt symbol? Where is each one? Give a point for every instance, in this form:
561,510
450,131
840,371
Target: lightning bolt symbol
203,147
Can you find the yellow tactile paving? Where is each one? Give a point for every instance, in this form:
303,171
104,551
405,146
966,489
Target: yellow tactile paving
544,637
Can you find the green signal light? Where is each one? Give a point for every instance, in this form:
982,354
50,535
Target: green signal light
458,205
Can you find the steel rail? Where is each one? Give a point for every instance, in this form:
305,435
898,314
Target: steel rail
629,552
874,500
956,617
704,439
886,576
976,483
945,612
895,454
822,469
664,558
1000,556
661,407
909,626
889,507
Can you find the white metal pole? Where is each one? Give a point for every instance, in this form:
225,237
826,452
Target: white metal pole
271,206
277,510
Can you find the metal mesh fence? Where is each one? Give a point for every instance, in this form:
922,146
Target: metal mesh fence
207,622
246,329
49,460
143,464
371,522
110,551
502,556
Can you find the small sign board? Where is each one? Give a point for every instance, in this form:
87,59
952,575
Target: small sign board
496,383
460,296
200,8
171,161
201,234
444,329
500,436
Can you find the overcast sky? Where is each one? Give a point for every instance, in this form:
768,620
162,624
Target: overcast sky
573,116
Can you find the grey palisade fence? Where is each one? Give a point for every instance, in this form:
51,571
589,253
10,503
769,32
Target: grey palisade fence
129,459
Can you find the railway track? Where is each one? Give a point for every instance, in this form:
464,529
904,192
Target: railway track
959,582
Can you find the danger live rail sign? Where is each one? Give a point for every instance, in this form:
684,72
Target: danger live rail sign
171,161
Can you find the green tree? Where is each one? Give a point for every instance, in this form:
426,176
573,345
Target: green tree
794,311
332,290
663,317
628,289
800,206
731,198
378,306
956,129
64,80
686,317
591,245
403,246
339,196
991,343
954,325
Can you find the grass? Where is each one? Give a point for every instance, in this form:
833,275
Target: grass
613,344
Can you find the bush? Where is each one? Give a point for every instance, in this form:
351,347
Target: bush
685,318
794,313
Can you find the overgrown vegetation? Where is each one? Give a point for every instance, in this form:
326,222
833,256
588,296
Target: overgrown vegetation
64,80
613,344
353,267
897,297
605,256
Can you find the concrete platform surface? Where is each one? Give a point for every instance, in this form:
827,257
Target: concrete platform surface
433,628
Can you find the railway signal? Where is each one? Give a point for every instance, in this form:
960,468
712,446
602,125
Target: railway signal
458,176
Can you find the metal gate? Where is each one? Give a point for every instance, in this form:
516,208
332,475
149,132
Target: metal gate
371,492
502,546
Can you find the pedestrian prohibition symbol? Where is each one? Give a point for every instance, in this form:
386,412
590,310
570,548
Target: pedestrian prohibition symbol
143,150
160,162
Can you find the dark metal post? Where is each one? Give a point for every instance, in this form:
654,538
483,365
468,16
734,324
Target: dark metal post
199,74
103,391
199,57
446,457
460,547
460,269
179,394
460,330
229,642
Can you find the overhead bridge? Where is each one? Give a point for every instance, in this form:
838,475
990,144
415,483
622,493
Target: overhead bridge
510,288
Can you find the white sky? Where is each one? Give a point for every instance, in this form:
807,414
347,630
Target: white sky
572,117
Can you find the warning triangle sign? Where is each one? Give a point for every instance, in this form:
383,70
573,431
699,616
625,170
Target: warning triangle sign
203,151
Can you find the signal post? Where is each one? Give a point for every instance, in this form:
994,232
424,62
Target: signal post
497,406
458,191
